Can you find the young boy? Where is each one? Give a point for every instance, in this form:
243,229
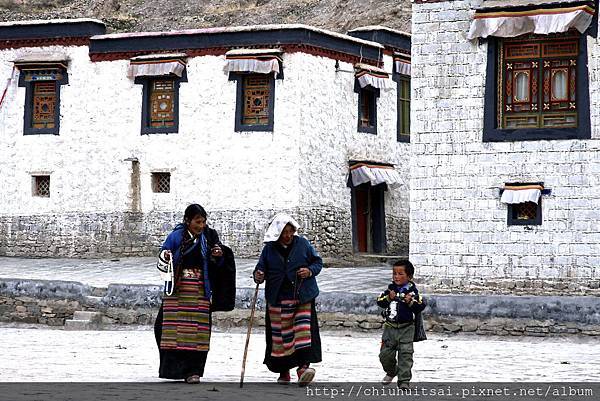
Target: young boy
401,301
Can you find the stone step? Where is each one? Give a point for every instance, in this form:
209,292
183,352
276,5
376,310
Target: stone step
89,316
80,325
91,300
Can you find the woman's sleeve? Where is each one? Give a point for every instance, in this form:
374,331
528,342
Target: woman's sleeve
162,263
262,261
315,261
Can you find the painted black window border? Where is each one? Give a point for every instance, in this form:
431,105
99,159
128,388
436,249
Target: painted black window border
398,78
375,92
28,109
239,102
145,82
491,132
513,221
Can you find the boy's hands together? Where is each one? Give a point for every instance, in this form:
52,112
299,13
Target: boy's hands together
392,295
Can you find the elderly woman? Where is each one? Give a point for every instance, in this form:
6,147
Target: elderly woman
289,265
183,324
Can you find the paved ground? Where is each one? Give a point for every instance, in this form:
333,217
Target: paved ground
43,354
101,272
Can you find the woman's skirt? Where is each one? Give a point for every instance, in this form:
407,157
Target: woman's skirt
292,336
183,327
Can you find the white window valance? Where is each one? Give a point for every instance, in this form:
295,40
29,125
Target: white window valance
153,65
42,67
362,173
261,61
368,75
510,21
521,194
402,65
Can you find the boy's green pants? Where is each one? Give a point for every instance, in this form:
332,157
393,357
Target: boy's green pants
398,340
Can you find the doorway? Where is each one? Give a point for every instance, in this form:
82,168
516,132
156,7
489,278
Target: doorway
368,218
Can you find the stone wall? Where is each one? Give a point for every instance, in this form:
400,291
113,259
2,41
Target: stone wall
54,302
458,224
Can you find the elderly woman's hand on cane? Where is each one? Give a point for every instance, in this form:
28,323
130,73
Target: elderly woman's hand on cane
259,276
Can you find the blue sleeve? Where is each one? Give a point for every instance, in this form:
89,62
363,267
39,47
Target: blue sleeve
315,261
169,243
262,261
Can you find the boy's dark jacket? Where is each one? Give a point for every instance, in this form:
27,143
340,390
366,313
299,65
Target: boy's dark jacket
397,311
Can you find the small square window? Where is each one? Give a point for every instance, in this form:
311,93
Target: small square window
161,182
41,186
524,214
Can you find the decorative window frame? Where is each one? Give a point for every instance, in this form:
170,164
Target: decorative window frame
155,177
238,77
28,109
146,81
375,92
493,133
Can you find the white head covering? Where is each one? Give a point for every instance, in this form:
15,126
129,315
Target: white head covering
277,225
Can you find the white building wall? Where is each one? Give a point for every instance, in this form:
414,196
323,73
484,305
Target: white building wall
458,225
330,138
241,178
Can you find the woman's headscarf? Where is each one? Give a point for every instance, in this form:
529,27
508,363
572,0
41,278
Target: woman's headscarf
277,225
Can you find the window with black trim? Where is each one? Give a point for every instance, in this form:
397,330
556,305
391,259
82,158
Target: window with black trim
255,101
367,108
161,182
42,84
537,88
41,186
160,105
403,108
527,213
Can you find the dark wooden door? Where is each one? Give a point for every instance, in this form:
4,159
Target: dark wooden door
362,215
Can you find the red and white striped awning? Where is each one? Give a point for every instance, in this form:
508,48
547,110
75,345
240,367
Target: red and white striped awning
375,174
261,61
368,75
154,65
402,64
522,193
505,19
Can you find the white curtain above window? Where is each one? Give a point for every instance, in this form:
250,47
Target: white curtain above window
375,174
521,194
369,75
261,61
154,65
510,21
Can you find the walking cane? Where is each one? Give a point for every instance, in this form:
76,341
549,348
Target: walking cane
248,336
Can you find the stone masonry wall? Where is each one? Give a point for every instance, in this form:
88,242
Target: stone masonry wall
137,234
458,224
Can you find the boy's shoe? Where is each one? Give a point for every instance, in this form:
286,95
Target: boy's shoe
403,386
193,379
387,379
284,378
305,375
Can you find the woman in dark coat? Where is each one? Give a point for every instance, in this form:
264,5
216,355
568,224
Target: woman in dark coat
289,265
183,324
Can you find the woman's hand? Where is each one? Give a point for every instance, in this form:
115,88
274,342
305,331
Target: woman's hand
216,251
166,255
304,272
259,276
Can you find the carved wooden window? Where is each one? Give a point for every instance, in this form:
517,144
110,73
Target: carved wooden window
162,103
256,94
538,82
403,107
161,182
44,105
41,186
